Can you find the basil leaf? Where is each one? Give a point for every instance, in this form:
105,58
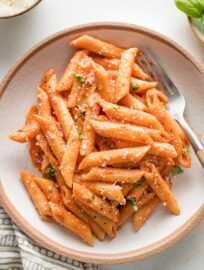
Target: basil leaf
79,77
177,170
192,8
134,204
50,172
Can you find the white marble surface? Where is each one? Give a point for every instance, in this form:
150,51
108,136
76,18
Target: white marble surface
20,33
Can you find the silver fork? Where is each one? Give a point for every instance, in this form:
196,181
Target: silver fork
151,64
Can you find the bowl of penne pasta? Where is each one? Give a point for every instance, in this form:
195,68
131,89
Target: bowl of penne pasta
93,166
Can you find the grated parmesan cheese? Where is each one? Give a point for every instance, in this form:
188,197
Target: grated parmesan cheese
14,7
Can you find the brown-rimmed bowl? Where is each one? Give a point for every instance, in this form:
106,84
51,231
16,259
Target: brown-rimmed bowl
18,92
22,12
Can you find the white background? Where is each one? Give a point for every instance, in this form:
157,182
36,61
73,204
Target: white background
19,34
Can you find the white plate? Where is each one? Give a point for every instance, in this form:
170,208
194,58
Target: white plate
19,92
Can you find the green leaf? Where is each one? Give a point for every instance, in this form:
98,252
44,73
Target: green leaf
134,204
192,8
135,86
93,197
81,114
50,172
79,77
80,134
177,170
184,150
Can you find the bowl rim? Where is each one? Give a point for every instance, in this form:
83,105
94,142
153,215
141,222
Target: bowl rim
44,241
22,12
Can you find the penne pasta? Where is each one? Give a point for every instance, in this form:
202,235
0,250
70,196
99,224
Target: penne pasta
62,113
49,188
142,214
71,205
44,108
129,115
67,79
52,135
35,153
156,101
88,134
109,191
121,131
132,102
72,99
39,199
97,46
30,130
163,150
71,222
133,206
126,188
113,175
45,79
70,157
161,188
124,73
44,165
85,196
106,224
110,157
103,83
125,144
44,146
140,87
113,64
138,190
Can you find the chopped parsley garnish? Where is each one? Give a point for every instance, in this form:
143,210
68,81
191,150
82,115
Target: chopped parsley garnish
80,134
50,172
135,86
81,114
138,183
93,197
134,204
79,77
184,150
177,170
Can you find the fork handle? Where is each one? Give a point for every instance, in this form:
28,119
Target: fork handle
195,142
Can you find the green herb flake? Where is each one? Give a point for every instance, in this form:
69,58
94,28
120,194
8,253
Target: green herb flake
80,134
135,86
184,150
82,114
50,172
177,170
79,77
134,204
93,197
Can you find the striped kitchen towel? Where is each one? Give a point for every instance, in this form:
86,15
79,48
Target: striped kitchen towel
18,251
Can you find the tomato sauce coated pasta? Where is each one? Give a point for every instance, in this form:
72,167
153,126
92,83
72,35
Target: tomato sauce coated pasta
103,141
